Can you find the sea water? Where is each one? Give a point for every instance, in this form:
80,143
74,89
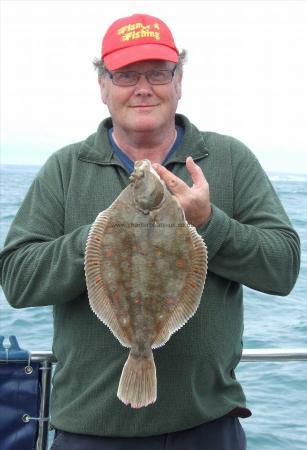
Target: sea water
276,392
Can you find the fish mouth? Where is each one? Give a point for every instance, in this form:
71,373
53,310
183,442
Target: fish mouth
143,164
140,166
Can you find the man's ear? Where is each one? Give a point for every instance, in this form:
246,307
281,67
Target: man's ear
103,89
178,84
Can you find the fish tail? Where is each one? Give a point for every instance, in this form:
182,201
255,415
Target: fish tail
138,382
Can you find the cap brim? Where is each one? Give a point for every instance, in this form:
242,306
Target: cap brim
129,55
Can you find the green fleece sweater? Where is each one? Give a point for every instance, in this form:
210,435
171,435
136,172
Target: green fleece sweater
250,242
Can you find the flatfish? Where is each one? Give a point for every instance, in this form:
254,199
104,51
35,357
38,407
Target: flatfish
145,270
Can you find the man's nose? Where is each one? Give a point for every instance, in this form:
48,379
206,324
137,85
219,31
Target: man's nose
143,86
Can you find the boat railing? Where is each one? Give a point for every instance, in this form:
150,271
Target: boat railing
47,359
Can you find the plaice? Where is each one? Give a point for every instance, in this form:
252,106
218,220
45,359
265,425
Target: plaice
145,270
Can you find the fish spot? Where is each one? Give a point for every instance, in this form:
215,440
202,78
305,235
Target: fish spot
124,321
170,303
180,263
115,296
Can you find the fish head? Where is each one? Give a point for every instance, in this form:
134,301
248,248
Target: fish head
148,188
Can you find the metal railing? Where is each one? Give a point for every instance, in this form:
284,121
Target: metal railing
248,355
47,359
274,354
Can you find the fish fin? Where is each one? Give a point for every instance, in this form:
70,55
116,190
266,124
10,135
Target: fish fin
190,295
99,300
138,381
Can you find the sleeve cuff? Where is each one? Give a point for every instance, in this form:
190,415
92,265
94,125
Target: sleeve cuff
215,230
84,232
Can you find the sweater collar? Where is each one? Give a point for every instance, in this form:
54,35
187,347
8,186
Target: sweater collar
97,148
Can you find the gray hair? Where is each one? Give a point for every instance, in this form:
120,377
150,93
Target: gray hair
102,70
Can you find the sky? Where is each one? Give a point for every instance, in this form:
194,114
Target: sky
246,74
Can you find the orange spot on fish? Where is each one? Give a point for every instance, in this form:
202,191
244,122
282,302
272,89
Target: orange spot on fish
158,253
193,285
109,253
170,303
116,296
180,263
97,280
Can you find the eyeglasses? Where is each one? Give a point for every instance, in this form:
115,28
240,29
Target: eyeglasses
131,78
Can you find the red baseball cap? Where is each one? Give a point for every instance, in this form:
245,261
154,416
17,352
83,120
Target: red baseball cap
137,38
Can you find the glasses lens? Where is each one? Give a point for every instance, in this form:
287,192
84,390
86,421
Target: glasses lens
159,76
125,78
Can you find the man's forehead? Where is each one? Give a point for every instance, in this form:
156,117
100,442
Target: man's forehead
147,65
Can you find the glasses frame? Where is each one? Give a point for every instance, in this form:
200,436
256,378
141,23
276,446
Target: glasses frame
145,74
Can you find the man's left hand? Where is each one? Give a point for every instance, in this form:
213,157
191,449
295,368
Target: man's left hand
195,200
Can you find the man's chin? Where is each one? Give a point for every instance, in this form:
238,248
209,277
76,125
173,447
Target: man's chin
146,124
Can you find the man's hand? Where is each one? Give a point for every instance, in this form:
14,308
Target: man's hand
195,200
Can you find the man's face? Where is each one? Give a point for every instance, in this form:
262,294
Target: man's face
143,107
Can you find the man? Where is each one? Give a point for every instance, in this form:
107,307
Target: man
223,192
